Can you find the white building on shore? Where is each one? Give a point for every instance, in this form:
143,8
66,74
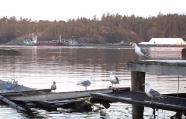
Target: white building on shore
165,41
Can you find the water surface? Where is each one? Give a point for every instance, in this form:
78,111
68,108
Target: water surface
38,67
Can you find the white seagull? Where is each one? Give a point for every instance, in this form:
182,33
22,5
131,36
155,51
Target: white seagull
85,84
143,53
151,92
113,79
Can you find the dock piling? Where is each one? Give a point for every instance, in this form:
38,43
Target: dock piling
137,81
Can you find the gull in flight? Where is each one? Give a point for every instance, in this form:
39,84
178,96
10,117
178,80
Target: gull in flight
113,79
143,53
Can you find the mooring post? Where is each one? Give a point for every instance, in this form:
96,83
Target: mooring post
137,84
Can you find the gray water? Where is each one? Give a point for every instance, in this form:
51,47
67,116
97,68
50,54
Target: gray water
38,67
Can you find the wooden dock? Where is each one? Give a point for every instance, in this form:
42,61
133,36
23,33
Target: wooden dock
157,67
24,98
50,101
50,96
136,95
138,98
26,92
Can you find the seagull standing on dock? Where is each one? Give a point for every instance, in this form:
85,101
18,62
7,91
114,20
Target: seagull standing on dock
151,92
113,79
53,86
85,83
140,51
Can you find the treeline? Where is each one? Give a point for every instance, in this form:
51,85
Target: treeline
108,29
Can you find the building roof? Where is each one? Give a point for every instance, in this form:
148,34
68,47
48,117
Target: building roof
168,41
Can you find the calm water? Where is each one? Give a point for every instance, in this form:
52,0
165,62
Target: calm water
38,67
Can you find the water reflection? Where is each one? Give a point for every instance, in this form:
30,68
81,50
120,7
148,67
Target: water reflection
9,52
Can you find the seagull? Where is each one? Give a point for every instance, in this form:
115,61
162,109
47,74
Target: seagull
85,83
151,92
140,51
113,79
53,86
14,83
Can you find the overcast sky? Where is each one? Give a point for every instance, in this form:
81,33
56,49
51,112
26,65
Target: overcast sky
68,9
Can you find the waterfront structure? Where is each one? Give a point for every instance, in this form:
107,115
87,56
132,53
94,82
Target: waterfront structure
164,41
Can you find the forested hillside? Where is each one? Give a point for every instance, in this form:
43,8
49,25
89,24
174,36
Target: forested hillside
108,29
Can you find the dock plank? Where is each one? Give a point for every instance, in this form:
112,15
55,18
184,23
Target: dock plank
25,92
138,98
159,67
58,96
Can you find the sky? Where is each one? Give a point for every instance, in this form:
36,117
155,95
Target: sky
69,9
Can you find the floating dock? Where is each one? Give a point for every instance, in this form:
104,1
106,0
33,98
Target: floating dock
50,101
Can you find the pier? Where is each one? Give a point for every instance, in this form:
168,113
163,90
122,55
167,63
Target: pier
136,95
170,103
157,67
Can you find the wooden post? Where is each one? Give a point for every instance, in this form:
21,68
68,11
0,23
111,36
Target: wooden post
12,104
137,84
